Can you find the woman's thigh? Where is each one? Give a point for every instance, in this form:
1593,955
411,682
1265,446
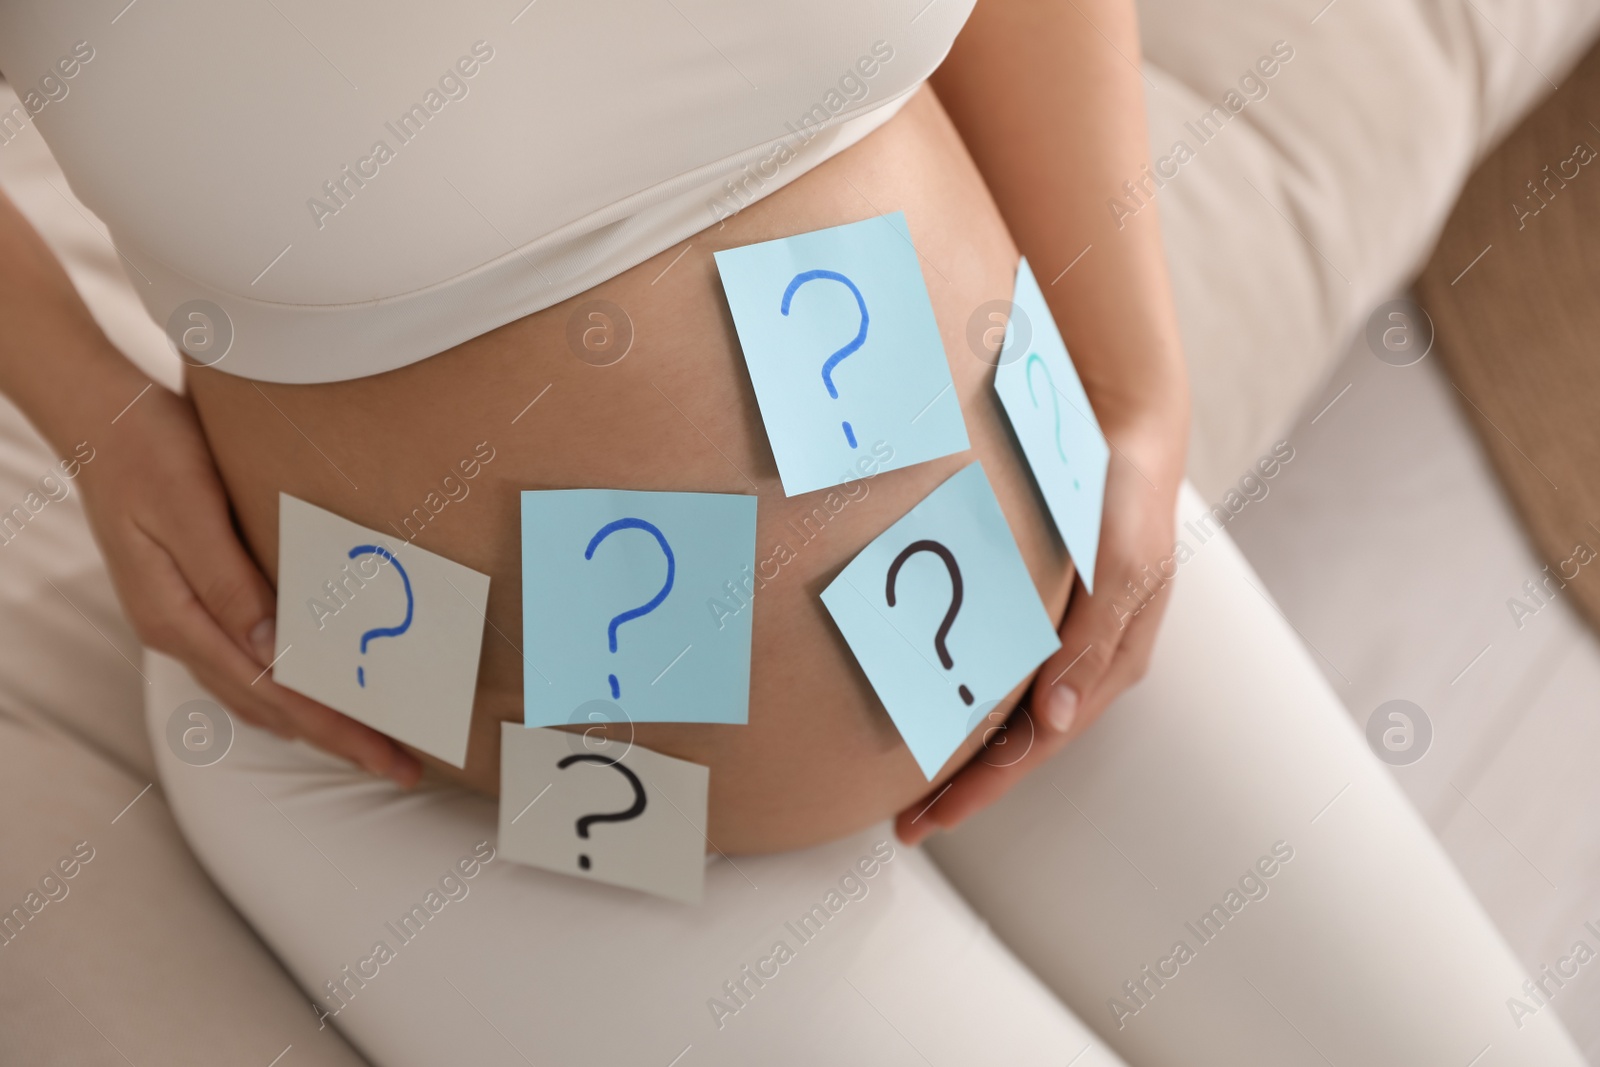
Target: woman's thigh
1219,872
424,948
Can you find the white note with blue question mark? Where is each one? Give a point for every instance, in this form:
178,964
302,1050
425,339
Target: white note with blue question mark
375,627
609,811
843,350
1054,422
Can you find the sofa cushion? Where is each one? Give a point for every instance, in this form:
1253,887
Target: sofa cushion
1316,201
115,947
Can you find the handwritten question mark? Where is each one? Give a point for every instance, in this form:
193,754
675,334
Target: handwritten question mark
384,631
838,357
939,636
644,609
617,816
1055,405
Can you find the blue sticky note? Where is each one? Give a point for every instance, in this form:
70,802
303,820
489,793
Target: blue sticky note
843,350
942,616
625,606
1054,422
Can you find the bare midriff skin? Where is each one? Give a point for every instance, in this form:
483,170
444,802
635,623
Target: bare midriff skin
819,757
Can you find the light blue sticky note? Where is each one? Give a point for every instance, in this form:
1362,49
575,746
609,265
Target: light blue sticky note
843,350
942,615
1054,422
626,606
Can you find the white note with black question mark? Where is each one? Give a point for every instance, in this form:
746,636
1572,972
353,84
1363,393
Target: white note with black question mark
377,628
610,811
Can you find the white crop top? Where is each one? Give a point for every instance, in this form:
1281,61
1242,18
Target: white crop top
360,186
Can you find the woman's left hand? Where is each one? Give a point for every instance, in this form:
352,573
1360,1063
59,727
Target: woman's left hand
1014,86
1106,638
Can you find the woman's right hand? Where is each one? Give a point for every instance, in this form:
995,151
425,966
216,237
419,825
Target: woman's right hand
159,511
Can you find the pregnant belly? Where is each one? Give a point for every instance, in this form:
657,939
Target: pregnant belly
819,756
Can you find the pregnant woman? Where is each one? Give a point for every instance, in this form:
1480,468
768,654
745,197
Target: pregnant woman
448,252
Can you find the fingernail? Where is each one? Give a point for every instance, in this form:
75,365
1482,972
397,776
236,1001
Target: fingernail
399,768
263,639
406,772
378,764
1061,708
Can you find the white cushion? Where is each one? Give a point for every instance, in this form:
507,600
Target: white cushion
1315,203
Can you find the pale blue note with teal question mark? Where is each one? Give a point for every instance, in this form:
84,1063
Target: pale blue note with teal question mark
626,602
843,350
1054,422
942,616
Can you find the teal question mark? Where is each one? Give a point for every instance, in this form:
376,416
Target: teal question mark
1055,404
384,631
838,357
643,609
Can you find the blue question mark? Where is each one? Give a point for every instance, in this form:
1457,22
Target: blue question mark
384,631
838,357
644,609
1055,404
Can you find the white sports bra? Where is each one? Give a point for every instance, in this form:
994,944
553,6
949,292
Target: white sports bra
361,186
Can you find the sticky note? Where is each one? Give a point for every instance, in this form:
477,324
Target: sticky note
377,628
942,616
606,810
1054,422
626,597
843,350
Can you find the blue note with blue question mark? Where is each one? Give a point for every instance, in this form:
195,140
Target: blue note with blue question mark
1054,422
942,616
843,350
637,604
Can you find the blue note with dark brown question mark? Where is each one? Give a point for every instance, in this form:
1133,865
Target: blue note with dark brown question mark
942,616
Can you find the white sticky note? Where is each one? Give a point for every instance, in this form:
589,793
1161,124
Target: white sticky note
605,810
378,628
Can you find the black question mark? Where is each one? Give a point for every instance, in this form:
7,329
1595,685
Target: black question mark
616,816
955,598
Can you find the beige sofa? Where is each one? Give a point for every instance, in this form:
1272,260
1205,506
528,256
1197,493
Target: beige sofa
1311,195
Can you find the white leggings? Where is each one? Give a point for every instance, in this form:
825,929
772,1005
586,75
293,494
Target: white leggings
1227,803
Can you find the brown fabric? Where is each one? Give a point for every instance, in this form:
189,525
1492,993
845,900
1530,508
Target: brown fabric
1519,331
